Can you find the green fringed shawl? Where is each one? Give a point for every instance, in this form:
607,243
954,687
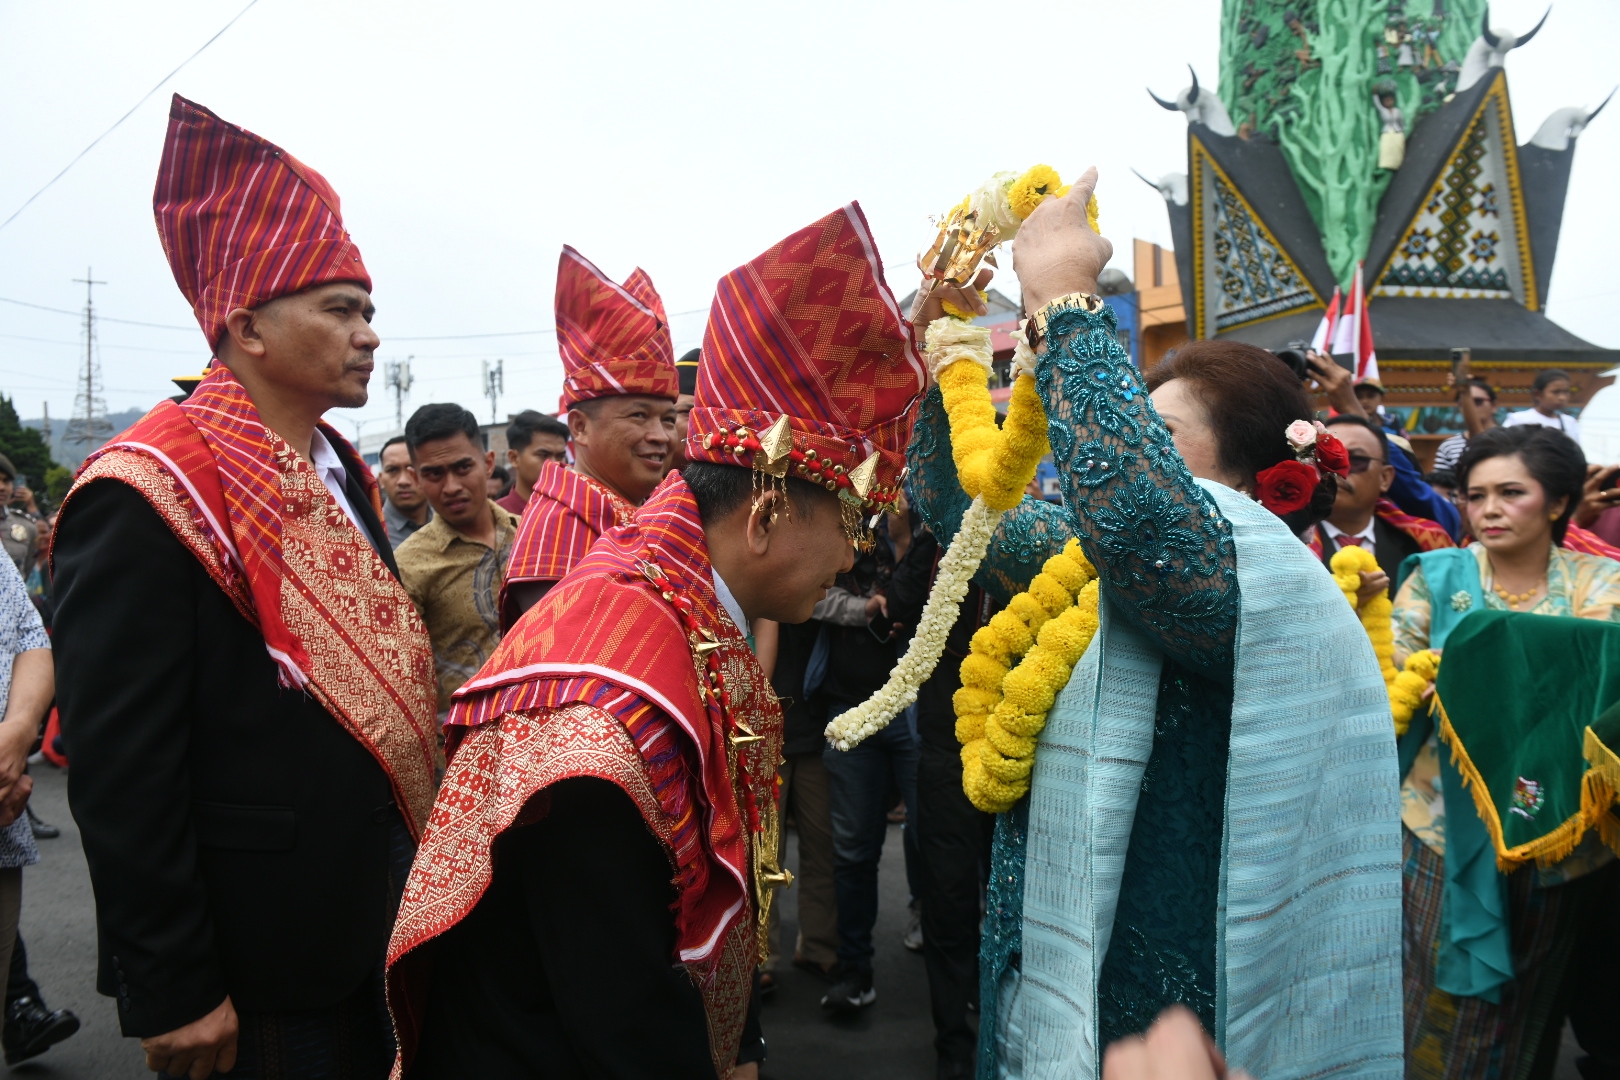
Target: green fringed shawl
1537,749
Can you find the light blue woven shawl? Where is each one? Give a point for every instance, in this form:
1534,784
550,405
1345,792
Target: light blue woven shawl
1308,950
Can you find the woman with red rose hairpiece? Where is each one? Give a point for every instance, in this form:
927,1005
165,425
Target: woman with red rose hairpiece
1212,817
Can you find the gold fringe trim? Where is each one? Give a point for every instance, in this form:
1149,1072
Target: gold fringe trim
1600,789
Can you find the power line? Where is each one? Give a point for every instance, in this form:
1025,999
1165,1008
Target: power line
515,333
126,116
103,318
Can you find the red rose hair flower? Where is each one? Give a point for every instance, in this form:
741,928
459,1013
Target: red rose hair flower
1286,486
1331,455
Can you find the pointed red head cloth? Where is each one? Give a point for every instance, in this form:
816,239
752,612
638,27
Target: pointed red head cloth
809,331
614,339
243,221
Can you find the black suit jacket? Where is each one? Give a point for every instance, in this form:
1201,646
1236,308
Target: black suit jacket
1390,548
238,837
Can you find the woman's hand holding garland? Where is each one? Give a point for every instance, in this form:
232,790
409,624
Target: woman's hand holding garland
994,464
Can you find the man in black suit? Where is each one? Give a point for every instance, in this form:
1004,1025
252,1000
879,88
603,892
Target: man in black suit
1355,519
244,685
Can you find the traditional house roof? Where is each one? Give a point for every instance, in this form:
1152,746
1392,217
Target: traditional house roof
1256,253
1461,251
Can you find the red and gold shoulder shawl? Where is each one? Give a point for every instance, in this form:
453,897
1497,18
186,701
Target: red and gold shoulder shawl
263,525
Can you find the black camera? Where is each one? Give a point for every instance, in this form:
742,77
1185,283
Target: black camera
1293,354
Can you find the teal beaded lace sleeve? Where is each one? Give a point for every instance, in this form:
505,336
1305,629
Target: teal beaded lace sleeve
1029,534
1163,549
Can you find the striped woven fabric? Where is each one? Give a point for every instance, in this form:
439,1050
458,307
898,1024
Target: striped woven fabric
614,339
563,518
242,221
810,330
1589,543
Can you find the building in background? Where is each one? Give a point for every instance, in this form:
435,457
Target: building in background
1455,245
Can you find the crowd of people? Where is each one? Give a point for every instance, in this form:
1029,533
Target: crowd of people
485,769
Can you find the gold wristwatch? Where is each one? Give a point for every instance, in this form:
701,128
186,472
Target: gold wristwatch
1081,301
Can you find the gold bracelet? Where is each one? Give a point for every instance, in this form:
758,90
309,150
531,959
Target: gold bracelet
1075,301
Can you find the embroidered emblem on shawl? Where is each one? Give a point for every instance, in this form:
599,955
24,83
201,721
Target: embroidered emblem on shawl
269,533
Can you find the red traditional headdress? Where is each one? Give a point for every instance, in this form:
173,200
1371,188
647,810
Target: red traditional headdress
809,366
242,221
614,339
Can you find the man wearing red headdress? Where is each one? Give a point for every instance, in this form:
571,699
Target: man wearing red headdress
619,397
246,687
624,727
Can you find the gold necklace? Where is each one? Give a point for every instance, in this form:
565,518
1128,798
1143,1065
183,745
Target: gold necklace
1513,600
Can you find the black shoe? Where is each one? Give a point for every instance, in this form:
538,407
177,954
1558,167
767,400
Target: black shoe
851,991
42,831
31,1029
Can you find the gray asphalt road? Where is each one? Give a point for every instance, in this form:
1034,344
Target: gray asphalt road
59,927
892,1040
889,1041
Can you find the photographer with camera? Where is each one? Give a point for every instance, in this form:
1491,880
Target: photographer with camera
1407,491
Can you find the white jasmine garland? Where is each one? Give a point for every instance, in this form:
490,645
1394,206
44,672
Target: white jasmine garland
948,340
956,571
1023,357
993,207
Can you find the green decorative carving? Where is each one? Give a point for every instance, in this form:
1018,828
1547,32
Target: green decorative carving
1302,73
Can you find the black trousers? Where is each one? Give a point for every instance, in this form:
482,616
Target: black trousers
1594,999
352,1040
18,984
953,840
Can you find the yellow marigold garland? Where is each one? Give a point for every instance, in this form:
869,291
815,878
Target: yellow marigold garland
1001,708
994,465
1405,686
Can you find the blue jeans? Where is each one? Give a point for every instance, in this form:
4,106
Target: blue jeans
860,780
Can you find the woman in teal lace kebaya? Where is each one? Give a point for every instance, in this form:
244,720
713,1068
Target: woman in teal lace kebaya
1213,812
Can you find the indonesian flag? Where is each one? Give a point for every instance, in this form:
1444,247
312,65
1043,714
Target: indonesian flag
1349,331
1330,320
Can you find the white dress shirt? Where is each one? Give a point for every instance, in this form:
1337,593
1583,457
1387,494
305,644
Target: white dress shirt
722,592
1365,536
329,467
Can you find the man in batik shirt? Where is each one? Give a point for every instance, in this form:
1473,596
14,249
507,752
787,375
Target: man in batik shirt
619,396
624,727
246,688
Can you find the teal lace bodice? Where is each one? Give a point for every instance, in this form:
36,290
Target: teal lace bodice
1167,564
1163,550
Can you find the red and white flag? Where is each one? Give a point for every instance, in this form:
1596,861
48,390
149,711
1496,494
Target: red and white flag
1330,318
1349,332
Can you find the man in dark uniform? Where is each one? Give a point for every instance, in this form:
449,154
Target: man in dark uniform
246,688
19,534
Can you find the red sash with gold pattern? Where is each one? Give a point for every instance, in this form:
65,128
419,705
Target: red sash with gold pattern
520,725
562,519
272,537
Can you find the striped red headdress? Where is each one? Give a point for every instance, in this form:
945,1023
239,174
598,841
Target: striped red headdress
809,366
243,221
614,339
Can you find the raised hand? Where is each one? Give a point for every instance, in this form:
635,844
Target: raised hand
1056,253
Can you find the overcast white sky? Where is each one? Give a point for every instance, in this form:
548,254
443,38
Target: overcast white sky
469,141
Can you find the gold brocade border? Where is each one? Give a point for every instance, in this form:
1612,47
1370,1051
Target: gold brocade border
1600,790
1198,155
1497,95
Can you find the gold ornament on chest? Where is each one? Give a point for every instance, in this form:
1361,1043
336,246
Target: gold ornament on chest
732,684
